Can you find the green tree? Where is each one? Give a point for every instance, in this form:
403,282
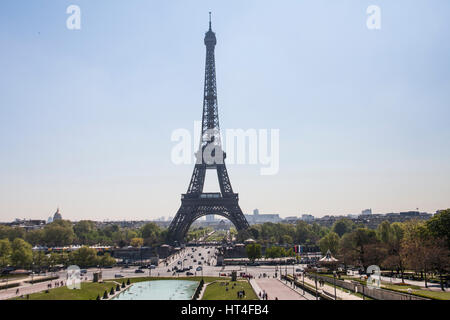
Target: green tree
439,225
106,260
329,242
22,255
5,252
391,236
16,232
35,237
137,242
85,232
84,257
253,251
59,233
358,246
150,230
40,259
343,226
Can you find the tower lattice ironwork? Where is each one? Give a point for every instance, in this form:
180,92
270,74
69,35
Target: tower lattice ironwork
195,203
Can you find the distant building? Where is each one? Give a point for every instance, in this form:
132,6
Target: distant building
292,219
210,218
307,217
256,217
26,224
49,220
410,213
366,211
57,215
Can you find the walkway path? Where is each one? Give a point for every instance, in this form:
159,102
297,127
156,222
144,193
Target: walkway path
27,288
329,289
275,289
431,286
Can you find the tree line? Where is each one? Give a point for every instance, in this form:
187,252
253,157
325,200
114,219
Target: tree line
16,243
63,233
421,246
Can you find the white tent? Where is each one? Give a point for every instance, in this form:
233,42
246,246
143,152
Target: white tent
328,257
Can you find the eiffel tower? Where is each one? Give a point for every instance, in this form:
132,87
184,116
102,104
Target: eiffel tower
195,203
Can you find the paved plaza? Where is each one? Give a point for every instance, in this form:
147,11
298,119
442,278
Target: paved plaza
276,289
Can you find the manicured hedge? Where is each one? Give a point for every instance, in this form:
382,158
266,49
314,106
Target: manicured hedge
43,279
9,285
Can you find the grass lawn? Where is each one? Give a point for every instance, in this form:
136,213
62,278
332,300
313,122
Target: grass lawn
439,295
88,291
399,287
217,291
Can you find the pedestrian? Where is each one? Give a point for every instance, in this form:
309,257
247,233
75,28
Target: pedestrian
17,291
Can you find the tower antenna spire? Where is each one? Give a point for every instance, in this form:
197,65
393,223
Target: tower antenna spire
210,20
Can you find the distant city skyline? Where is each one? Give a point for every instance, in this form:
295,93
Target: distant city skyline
86,115
301,216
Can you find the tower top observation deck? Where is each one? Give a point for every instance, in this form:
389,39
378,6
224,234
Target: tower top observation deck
210,36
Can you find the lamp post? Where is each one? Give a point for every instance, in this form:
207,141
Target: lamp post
32,272
334,277
303,273
315,280
285,270
362,285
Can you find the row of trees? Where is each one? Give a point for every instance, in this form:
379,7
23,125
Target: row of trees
19,254
254,252
85,232
422,246
281,233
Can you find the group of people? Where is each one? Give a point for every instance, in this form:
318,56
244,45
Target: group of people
263,295
241,294
57,284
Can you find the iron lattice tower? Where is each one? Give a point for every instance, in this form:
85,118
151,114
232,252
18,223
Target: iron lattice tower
195,203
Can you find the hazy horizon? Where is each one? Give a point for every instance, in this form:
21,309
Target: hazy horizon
86,115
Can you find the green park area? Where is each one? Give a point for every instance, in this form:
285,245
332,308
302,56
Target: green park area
419,291
90,290
228,290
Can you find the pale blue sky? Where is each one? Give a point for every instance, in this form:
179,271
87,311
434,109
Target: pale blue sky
86,116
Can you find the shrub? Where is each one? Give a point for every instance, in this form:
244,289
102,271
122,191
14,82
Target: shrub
123,284
43,279
128,282
111,292
105,295
9,285
117,287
